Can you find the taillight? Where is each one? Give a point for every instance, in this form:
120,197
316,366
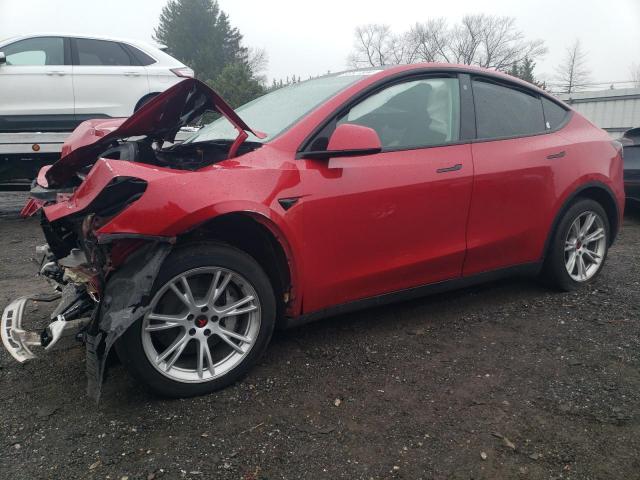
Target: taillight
184,72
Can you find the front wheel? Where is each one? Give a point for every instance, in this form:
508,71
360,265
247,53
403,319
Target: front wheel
579,246
211,316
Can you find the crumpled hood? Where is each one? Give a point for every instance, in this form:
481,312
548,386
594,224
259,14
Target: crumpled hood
161,118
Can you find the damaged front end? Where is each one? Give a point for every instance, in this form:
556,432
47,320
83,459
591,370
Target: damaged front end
102,284
101,277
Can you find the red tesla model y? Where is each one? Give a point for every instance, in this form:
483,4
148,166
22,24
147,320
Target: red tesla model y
326,196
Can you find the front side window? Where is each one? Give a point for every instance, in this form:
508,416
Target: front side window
506,112
419,113
101,52
36,51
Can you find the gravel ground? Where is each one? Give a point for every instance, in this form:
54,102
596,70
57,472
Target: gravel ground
508,380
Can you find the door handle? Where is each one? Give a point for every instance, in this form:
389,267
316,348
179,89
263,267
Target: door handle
132,74
556,155
56,72
453,168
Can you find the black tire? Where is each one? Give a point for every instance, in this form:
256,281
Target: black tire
555,271
144,100
183,259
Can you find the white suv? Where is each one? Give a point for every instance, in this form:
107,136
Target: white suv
52,82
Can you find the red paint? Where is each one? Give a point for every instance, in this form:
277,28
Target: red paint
31,207
353,137
378,223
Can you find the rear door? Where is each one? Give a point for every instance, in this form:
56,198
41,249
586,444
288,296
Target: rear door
515,157
36,86
108,79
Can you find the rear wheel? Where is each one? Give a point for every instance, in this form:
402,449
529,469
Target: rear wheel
211,316
579,246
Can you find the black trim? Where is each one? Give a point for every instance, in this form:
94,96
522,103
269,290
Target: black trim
287,203
327,154
74,51
454,168
467,108
38,123
553,156
527,269
111,237
67,50
45,123
565,206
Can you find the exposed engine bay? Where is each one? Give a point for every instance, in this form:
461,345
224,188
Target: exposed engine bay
182,156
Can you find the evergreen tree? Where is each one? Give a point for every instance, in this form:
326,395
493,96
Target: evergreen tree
524,70
200,35
237,85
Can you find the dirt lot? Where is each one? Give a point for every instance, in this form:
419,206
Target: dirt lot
508,380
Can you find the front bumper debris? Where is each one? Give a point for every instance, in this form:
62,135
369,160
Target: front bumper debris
16,340
21,343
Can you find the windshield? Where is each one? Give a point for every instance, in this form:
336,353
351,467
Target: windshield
276,111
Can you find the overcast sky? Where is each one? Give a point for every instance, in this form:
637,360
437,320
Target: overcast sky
309,38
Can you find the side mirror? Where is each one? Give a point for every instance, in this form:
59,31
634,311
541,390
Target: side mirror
349,140
3,58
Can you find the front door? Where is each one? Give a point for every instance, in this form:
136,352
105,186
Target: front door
393,220
36,87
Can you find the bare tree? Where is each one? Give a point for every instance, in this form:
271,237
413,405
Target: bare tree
429,40
257,59
573,74
373,46
635,74
484,40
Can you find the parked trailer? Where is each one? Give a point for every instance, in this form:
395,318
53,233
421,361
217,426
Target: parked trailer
23,154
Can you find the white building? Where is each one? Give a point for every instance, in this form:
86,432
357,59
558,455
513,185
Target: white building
615,111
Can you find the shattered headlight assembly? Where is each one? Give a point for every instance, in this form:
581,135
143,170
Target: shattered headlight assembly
116,196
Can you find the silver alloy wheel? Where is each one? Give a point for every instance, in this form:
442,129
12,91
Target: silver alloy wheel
585,246
201,324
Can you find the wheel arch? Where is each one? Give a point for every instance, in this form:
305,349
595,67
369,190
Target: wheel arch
263,240
597,191
145,98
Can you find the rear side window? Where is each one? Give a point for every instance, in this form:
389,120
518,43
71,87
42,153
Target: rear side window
140,57
554,114
36,51
506,112
101,52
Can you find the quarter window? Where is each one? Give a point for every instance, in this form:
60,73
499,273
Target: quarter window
141,57
554,114
36,51
419,113
101,52
506,112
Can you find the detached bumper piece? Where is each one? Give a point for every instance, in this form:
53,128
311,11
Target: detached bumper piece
20,343
16,340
